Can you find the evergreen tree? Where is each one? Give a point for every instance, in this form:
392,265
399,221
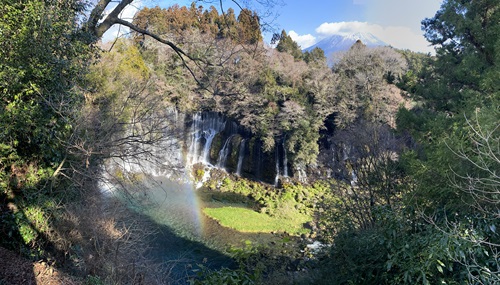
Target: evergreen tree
466,36
228,24
316,56
288,45
249,27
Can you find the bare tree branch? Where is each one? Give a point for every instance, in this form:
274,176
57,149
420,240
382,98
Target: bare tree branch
110,20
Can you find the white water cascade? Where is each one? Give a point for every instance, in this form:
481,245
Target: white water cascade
285,160
276,179
209,137
205,126
216,141
223,153
354,178
241,155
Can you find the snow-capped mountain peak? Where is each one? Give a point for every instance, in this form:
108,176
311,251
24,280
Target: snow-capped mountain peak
339,42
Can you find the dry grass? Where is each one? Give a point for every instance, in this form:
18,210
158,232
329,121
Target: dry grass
101,237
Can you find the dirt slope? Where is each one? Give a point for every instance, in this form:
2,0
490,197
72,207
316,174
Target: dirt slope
15,270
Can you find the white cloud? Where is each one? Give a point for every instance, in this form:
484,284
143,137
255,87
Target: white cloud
342,28
403,38
406,13
396,36
303,41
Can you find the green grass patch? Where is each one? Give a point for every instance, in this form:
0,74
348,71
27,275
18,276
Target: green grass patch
249,221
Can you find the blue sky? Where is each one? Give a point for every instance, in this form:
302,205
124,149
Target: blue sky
396,22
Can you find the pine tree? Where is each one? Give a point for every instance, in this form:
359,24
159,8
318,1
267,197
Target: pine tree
249,27
288,45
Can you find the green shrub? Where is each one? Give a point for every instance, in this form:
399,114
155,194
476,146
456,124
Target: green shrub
224,276
94,280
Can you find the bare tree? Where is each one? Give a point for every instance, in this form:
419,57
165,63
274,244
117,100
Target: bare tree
483,154
361,82
369,153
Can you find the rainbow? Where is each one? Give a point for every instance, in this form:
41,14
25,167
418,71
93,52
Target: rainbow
177,206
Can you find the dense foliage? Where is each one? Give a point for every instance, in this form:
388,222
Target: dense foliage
444,229
42,59
54,135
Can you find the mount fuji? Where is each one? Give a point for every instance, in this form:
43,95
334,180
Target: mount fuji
336,43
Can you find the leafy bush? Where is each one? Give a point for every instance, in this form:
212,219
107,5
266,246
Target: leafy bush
224,276
405,249
292,198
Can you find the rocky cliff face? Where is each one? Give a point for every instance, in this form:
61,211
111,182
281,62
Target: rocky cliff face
210,140
216,141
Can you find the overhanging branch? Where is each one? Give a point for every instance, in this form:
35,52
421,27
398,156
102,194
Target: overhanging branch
110,20
178,50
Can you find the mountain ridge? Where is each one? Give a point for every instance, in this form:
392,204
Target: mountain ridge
338,42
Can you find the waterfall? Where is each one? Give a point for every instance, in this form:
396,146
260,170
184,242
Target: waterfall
334,156
276,179
354,178
347,151
301,173
206,126
209,137
285,160
221,162
160,157
217,141
195,138
241,155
